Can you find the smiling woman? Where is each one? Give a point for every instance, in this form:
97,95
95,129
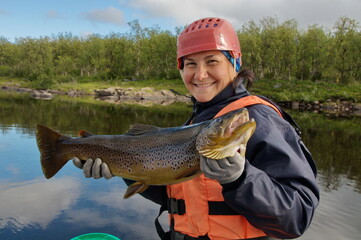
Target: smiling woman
211,205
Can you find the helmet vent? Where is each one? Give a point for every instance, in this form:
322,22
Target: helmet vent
208,23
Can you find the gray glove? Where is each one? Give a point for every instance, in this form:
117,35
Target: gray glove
95,169
224,170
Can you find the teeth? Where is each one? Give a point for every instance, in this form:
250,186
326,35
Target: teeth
203,85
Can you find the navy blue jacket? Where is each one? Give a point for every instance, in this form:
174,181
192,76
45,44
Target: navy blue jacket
278,191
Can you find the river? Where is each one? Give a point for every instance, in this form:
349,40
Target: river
68,205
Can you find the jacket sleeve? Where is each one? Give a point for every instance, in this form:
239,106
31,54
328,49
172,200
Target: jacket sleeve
157,194
278,191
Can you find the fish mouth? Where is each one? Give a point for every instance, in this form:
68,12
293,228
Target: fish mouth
233,123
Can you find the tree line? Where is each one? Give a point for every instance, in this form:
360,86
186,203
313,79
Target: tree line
271,49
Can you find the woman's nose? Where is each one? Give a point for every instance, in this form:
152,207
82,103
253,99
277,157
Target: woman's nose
201,73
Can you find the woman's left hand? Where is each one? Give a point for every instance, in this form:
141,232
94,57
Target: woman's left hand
93,168
224,170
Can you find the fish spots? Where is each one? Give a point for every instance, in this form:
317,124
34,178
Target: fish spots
177,165
125,165
186,161
147,164
140,155
87,150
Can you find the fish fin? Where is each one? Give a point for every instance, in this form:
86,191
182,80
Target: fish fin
134,188
189,172
216,154
51,158
140,129
83,133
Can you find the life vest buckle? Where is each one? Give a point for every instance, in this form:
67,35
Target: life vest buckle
176,206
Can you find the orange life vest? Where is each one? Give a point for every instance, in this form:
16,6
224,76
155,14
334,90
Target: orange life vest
198,192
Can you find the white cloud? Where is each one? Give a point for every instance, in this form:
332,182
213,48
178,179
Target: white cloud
109,15
36,202
125,214
306,12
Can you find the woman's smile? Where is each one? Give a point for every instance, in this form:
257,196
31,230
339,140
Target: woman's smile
203,85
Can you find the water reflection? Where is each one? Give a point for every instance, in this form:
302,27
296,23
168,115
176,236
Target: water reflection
334,144
68,205
338,215
132,218
35,203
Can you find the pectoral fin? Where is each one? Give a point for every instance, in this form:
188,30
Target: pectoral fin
134,188
216,154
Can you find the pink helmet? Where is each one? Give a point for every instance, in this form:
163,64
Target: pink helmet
208,34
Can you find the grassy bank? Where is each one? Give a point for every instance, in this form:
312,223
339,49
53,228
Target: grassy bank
307,91
278,90
89,85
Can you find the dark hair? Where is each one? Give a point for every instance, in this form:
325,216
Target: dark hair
244,77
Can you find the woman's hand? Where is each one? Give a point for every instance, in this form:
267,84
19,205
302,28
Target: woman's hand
93,168
224,170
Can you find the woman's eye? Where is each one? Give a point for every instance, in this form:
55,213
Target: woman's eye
212,61
190,64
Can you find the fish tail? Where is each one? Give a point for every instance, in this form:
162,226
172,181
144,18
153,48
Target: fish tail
51,158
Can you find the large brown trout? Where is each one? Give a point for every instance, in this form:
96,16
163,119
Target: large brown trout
150,155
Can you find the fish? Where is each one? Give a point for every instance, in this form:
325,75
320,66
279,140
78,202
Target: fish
147,154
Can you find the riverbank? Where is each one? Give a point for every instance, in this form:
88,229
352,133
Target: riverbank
297,95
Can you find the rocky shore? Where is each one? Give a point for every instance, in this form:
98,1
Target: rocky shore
143,96
165,97
117,94
43,94
336,108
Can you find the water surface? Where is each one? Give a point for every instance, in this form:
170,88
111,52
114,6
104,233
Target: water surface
68,205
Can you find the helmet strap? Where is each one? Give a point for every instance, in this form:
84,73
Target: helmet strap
234,61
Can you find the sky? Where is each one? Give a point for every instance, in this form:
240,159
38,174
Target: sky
40,18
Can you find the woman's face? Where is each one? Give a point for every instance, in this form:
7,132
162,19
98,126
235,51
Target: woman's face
207,73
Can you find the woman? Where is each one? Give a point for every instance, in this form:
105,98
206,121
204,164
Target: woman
272,192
